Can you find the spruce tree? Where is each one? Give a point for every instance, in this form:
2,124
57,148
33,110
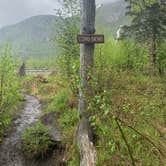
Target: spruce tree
148,25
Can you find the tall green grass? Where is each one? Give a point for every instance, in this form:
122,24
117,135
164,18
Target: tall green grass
120,55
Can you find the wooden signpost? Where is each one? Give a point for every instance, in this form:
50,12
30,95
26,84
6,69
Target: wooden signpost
87,39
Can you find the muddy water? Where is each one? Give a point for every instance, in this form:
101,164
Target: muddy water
10,151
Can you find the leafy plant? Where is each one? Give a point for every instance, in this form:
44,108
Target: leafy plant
147,26
36,142
65,39
9,88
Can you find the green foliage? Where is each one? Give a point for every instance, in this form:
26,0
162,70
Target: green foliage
161,58
75,158
63,104
68,121
9,88
120,55
36,142
8,80
65,39
147,20
147,26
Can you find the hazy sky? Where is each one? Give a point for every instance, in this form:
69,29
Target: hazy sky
13,11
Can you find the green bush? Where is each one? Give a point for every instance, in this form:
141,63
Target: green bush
121,55
36,142
9,89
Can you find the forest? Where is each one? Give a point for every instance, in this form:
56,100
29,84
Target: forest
121,89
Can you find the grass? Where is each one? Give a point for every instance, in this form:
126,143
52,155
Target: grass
138,101
7,118
36,142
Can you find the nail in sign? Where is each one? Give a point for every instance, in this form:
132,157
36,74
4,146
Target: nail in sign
90,39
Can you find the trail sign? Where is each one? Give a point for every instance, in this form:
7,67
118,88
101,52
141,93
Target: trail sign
90,39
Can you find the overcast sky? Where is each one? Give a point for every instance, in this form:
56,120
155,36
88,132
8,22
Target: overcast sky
13,11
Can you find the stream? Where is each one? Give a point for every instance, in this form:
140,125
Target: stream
10,150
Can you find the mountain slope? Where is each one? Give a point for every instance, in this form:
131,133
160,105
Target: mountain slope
31,36
110,16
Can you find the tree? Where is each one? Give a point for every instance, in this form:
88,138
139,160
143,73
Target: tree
67,28
148,25
87,151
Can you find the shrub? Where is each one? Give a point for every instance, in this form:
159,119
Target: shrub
9,88
36,142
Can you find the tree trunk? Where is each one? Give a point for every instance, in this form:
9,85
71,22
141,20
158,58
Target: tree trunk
87,151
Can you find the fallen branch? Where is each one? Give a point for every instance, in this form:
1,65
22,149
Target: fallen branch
127,144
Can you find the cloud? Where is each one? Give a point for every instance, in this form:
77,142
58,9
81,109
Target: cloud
17,10
13,11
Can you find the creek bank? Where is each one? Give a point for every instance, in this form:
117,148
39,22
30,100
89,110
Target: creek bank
48,120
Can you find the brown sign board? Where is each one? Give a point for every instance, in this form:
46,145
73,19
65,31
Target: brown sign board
90,39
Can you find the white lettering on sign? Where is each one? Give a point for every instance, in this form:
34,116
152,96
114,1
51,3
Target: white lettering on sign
90,39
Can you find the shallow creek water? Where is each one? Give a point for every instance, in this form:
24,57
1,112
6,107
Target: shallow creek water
10,150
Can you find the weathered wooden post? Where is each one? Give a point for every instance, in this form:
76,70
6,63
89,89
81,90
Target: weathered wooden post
87,39
22,71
